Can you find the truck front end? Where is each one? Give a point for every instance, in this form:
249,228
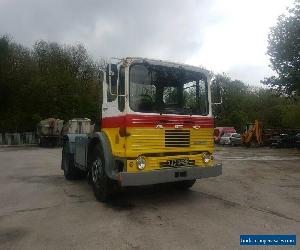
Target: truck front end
161,128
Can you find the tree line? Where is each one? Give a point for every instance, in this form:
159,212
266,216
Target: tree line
62,81
49,80
243,104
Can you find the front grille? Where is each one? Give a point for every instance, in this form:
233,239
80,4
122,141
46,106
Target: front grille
177,138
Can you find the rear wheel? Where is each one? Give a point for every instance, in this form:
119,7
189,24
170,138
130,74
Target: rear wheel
68,166
184,184
102,185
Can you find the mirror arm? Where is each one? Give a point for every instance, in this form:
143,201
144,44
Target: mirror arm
118,84
109,79
221,97
218,103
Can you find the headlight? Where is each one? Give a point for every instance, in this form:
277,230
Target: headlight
206,157
141,162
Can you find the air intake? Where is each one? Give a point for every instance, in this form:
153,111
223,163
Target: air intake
177,138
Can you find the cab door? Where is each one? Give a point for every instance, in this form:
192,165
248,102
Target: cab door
113,108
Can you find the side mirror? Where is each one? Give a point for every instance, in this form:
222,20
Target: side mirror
217,95
100,77
112,78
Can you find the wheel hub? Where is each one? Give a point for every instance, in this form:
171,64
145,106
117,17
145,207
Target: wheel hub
96,170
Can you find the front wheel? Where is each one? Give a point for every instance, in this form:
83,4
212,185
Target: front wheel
101,183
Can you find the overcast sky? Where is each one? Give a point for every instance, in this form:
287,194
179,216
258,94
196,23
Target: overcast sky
222,35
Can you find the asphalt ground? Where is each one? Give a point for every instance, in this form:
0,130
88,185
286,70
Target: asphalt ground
258,193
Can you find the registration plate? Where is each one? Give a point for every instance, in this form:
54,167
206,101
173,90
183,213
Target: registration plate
178,162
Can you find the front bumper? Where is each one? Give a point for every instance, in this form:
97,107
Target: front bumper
169,175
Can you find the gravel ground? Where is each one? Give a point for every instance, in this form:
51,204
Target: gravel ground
258,193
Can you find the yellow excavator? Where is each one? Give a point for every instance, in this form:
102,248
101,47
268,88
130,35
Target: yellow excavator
253,135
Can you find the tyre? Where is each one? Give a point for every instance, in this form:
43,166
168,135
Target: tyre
184,184
102,184
68,166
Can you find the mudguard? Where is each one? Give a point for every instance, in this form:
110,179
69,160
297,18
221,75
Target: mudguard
69,142
109,160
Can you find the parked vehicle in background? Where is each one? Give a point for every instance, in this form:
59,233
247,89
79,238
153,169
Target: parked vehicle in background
236,140
253,135
283,141
226,139
269,134
78,126
49,132
220,131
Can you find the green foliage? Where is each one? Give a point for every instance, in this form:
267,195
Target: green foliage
239,119
242,105
284,52
50,80
291,116
234,110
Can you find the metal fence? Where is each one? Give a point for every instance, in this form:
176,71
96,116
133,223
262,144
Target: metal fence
18,138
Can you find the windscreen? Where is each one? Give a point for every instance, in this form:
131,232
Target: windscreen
160,89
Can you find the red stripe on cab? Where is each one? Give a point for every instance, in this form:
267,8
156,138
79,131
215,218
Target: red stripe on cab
154,120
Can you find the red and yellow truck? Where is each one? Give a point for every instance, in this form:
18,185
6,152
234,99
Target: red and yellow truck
156,126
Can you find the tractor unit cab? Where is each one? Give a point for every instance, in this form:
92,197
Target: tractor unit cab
156,127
